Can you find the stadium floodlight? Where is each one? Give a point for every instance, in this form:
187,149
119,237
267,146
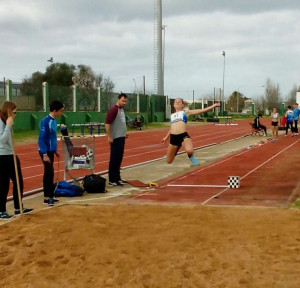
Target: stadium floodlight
222,107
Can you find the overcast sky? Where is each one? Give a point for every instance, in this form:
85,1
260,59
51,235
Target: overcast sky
116,38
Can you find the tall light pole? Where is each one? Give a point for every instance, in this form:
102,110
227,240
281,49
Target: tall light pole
158,29
163,53
223,82
237,99
134,85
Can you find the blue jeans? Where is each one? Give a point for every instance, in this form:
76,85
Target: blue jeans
116,157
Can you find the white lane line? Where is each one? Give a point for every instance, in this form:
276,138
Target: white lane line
206,186
271,158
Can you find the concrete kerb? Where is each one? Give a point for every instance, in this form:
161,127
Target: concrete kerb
154,171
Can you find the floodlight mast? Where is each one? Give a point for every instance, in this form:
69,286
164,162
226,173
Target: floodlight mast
222,108
158,49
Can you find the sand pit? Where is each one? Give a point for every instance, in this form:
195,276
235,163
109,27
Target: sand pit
151,246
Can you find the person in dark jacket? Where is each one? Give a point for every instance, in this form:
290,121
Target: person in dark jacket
47,143
258,125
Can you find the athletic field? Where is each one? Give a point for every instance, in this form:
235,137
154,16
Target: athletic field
189,231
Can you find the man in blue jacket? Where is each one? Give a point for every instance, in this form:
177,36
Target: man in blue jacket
48,147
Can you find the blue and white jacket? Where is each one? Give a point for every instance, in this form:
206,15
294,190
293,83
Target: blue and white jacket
48,135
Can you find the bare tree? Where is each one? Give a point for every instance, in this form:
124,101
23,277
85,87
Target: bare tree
84,77
291,97
108,85
272,95
98,80
260,105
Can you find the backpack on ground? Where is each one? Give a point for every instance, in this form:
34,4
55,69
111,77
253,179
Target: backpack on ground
65,189
94,184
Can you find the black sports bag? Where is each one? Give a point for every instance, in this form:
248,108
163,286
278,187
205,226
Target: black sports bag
94,183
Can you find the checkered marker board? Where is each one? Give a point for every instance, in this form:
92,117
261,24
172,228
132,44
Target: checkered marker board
233,181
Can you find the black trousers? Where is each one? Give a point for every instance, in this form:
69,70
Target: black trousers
7,173
116,157
48,175
287,128
263,127
296,126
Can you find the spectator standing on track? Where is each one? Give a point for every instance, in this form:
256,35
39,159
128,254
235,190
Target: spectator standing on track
116,130
289,114
178,133
7,167
258,125
296,118
275,118
48,147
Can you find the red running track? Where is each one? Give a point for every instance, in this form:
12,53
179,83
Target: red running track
269,177
141,146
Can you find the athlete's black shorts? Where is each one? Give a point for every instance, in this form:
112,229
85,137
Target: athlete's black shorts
274,123
177,139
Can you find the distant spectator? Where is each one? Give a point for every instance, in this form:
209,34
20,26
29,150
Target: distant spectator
296,118
289,114
275,118
138,122
258,125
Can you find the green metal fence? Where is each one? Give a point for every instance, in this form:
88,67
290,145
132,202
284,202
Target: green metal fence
91,105
63,94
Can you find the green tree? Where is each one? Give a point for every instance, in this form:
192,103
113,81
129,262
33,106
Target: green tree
32,86
235,102
60,74
60,77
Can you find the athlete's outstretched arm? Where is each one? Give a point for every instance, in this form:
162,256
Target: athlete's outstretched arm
199,111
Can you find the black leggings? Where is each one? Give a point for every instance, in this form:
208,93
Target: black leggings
7,172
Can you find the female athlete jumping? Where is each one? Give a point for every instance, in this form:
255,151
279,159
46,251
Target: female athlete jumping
178,134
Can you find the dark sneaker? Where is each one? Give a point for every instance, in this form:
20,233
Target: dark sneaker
5,215
113,184
47,201
25,211
120,183
50,201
